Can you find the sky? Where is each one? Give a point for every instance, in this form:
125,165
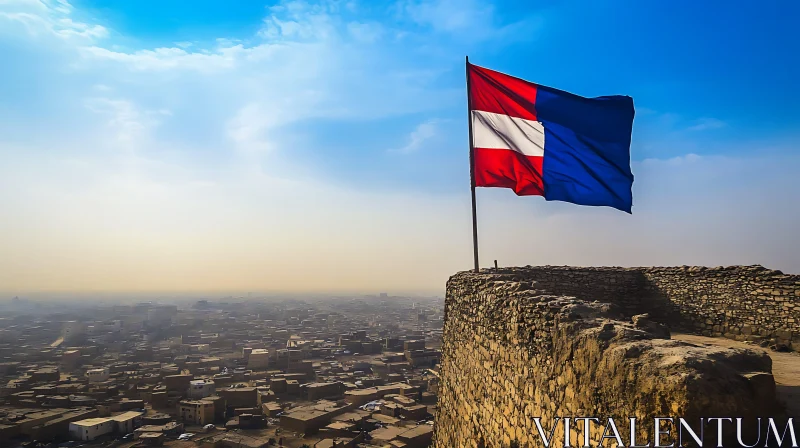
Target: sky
208,146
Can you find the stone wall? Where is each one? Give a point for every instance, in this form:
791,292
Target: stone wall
517,346
738,302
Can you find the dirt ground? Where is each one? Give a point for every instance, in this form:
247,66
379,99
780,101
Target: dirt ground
785,368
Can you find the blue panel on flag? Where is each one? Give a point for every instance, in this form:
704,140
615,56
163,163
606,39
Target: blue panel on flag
587,148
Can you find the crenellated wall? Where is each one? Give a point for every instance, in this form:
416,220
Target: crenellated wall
551,342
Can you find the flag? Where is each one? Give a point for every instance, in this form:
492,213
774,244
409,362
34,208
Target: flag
540,141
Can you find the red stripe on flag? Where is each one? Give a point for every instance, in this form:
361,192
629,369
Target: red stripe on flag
496,92
505,168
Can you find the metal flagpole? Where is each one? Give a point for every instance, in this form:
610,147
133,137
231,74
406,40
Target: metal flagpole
472,171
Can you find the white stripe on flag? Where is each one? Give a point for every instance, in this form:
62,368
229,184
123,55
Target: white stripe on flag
497,131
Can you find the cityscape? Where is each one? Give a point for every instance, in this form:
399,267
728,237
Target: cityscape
335,372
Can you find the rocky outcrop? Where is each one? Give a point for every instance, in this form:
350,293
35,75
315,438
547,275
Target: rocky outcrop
514,351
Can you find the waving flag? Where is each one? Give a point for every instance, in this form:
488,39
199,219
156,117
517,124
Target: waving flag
541,141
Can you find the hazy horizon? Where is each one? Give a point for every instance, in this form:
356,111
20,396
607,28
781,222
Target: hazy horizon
212,296
321,147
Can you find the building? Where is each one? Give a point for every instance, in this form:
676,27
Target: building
362,396
126,422
241,397
271,409
258,359
47,428
196,412
91,428
418,344
417,436
235,440
46,374
178,382
200,389
170,429
151,438
97,375
70,359
277,385
309,419
414,412
317,391
409,437
423,358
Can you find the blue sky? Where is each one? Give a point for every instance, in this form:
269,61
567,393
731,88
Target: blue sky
219,137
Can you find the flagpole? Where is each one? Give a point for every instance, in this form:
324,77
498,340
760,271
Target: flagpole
472,171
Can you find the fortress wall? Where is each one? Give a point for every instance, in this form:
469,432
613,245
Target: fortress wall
738,302
513,350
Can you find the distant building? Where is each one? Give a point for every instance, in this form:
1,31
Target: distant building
97,375
171,429
309,419
200,389
317,391
418,344
91,428
178,382
126,422
196,412
241,397
70,359
258,359
423,358
416,436
45,374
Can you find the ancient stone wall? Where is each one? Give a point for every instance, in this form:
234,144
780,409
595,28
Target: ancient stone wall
738,302
517,347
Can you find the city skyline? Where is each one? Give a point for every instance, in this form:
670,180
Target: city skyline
322,146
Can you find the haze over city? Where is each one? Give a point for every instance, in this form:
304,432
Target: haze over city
157,146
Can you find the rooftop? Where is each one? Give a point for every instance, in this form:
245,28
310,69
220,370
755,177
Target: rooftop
314,385
125,416
417,431
92,421
387,433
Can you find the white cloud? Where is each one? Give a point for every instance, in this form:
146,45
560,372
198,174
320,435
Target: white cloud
166,58
129,125
50,17
449,15
419,136
365,32
674,161
468,20
704,124
299,20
